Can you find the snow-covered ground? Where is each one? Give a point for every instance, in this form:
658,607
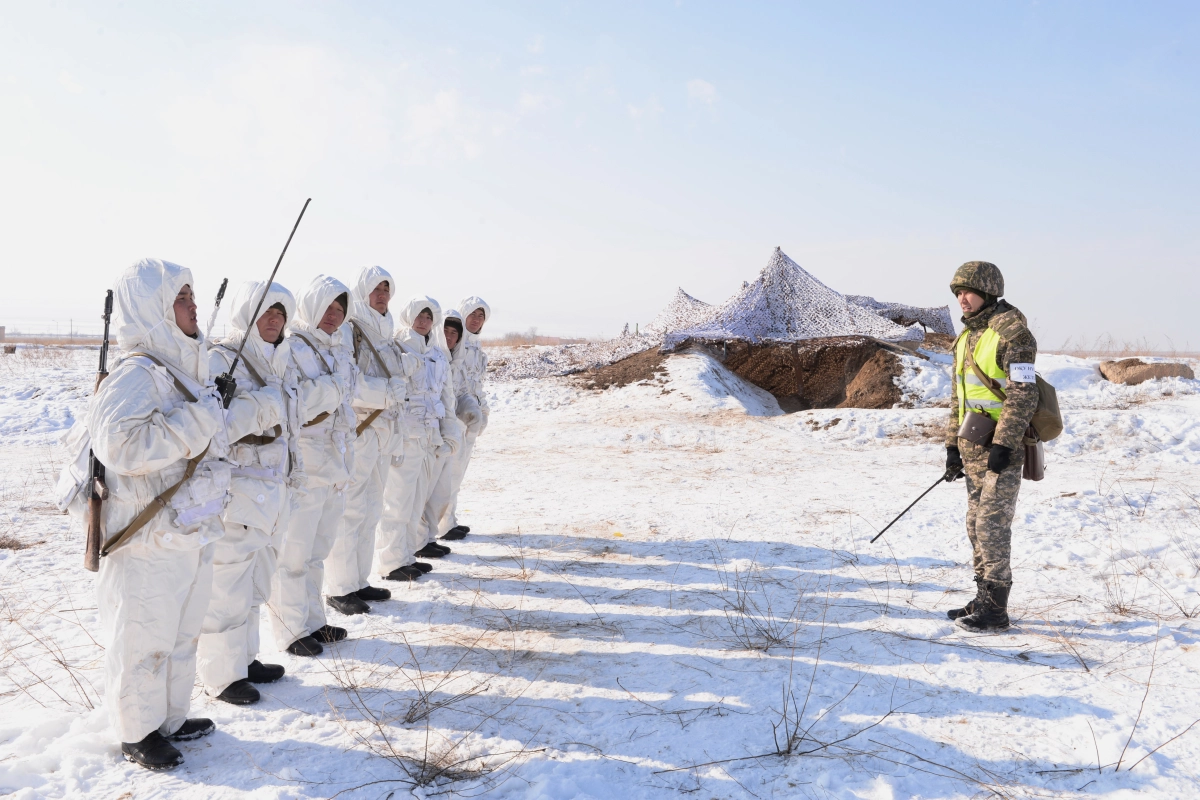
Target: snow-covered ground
669,590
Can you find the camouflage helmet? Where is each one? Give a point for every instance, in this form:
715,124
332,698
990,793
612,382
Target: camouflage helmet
982,276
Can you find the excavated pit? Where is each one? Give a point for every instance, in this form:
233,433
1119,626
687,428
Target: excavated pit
832,372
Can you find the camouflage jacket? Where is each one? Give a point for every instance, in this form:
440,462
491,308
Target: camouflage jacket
1017,346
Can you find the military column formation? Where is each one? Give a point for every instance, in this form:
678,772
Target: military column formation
341,445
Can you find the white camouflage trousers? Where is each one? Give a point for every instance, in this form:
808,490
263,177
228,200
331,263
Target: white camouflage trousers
441,510
151,603
348,567
295,603
400,534
224,649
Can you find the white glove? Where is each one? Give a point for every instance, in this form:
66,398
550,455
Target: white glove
452,433
209,412
470,417
271,410
398,389
411,364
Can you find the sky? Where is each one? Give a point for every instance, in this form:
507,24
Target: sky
573,163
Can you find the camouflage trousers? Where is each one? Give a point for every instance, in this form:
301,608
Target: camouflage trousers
991,504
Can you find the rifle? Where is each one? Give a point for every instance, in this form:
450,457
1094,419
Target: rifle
216,308
96,488
226,384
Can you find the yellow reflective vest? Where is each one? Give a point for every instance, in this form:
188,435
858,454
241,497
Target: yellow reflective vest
971,391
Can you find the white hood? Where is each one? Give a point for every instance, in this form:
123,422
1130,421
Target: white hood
311,307
243,306
144,300
380,326
406,336
453,314
468,307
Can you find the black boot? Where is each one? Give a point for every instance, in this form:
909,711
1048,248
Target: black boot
373,594
348,604
153,752
971,605
408,573
329,634
424,566
992,611
432,550
259,672
305,646
240,693
193,728
457,532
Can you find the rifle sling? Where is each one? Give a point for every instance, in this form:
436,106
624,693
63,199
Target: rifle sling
259,441
153,508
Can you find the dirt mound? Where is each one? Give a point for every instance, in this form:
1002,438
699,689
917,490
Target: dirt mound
832,372
1132,371
642,366
938,342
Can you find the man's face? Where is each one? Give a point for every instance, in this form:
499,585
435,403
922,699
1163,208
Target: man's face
969,302
423,324
335,315
185,311
475,320
270,324
381,295
451,336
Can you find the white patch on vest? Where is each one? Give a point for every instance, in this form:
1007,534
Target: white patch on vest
1021,373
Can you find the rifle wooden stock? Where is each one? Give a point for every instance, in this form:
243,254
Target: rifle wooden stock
95,536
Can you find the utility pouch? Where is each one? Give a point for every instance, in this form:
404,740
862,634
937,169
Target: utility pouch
977,428
1035,457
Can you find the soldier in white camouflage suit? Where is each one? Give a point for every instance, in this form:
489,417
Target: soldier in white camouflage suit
468,368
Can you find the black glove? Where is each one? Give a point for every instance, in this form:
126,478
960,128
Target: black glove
954,464
998,458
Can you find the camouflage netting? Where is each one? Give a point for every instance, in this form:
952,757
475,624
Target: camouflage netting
937,320
684,311
786,304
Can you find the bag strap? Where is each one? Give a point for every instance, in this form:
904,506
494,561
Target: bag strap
153,508
313,345
183,389
991,384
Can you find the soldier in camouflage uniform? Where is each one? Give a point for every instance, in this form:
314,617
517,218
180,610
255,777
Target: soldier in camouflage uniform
998,336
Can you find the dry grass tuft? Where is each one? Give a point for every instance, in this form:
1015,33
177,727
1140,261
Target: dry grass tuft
1108,347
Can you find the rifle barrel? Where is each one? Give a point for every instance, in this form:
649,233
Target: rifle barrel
267,288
